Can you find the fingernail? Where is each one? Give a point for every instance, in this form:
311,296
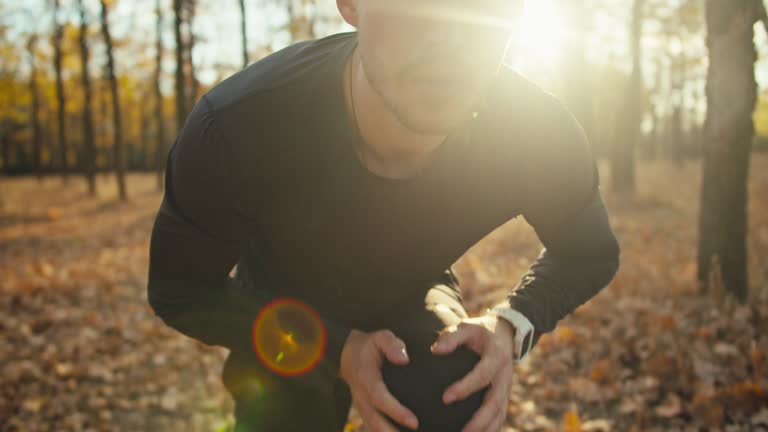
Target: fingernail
449,397
403,354
413,423
435,346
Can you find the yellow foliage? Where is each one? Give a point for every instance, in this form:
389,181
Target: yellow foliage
53,213
761,115
565,334
601,370
571,422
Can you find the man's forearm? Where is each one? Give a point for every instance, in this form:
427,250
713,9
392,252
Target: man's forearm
213,318
190,290
555,286
225,319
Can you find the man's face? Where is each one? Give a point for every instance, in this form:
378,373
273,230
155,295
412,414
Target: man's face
430,60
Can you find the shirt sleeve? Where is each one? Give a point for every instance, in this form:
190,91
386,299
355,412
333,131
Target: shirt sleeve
198,236
580,253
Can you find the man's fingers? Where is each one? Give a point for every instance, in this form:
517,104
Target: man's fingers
454,336
483,418
501,419
498,426
474,336
479,377
383,401
494,406
373,420
392,346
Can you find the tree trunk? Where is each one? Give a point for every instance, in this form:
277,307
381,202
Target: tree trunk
300,25
194,85
34,109
102,118
117,130
244,32
625,141
181,104
678,74
5,146
90,148
727,139
577,76
677,140
147,161
58,34
160,145
656,140
653,138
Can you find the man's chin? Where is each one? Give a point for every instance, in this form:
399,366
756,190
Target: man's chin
430,124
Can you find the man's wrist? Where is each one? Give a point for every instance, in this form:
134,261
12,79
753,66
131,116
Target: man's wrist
507,331
523,329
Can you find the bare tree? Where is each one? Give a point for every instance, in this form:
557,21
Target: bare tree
181,105
145,121
244,32
160,144
58,35
193,87
625,141
117,130
90,147
728,133
35,106
300,24
577,76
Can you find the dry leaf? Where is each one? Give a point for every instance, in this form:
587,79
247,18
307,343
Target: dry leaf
571,422
671,407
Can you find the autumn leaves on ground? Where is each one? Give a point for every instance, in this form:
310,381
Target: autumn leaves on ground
80,349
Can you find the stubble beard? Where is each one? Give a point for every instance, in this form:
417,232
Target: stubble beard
401,113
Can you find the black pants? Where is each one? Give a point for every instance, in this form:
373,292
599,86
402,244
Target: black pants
319,401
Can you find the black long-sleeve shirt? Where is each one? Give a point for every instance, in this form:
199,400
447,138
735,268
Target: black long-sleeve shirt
264,169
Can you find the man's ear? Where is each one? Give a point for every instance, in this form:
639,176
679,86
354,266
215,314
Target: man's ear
348,10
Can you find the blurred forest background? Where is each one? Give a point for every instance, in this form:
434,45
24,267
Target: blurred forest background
672,93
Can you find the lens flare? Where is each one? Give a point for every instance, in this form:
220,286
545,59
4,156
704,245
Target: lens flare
289,337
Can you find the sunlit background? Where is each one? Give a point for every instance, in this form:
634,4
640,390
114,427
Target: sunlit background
579,50
80,349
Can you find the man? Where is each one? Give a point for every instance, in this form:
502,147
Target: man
348,173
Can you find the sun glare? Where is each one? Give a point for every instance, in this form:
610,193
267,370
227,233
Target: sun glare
539,35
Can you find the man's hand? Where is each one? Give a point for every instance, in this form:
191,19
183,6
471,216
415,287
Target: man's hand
492,338
361,361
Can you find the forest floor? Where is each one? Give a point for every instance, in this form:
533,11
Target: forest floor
80,349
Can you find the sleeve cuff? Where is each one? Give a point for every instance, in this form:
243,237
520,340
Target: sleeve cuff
524,329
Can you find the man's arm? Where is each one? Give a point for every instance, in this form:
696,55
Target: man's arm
197,237
581,253
573,267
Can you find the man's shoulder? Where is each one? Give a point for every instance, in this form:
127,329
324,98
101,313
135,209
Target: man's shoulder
520,100
540,121
298,63
533,131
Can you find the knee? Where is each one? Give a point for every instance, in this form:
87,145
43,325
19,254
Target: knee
420,384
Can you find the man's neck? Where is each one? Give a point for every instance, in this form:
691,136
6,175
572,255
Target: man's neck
388,147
